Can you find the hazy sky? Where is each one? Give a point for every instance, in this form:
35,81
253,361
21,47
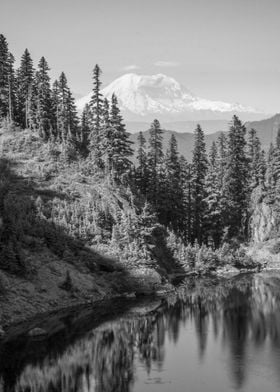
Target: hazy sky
219,49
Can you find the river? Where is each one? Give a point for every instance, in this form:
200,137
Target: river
214,335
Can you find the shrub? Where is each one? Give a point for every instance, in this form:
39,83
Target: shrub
242,260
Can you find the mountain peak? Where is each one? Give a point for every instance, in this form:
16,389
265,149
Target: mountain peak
146,96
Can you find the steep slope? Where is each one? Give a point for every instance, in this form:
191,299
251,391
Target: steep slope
56,242
267,129
142,97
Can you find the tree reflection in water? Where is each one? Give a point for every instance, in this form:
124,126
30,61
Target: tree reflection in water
242,312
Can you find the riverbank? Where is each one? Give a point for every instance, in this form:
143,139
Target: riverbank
27,303
84,314
57,285
33,317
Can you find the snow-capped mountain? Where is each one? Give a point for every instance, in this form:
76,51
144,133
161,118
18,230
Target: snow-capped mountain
143,97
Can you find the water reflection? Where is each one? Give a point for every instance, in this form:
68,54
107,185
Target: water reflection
235,325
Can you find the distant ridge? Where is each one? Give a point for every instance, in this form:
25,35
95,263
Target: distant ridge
185,141
208,126
266,130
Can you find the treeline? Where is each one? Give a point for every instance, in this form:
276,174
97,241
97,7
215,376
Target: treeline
206,200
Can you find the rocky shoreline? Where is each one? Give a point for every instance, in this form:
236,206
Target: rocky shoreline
32,324
42,325
19,309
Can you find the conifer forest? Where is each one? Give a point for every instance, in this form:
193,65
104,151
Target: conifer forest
205,203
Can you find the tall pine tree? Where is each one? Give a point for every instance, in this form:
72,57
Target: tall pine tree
11,89
155,165
4,77
96,110
142,167
118,144
186,186
236,181
199,170
254,157
213,215
41,101
85,129
25,77
174,197
64,110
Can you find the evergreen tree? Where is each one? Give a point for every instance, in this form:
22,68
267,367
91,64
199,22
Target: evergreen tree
96,110
261,170
213,156
275,170
62,117
155,163
213,215
72,115
25,77
186,186
199,170
34,103
236,181
4,77
105,113
254,156
106,138
54,108
11,89
66,113
142,168
174,197
118,144
41,101
222,158
85,128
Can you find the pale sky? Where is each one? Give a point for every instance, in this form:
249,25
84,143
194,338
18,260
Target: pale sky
220,49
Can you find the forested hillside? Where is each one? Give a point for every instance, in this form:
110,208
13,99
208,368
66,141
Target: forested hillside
80,215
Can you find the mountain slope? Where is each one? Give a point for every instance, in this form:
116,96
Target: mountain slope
144,97
208,126
185,141
266,129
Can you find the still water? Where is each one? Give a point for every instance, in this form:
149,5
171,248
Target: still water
213,336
